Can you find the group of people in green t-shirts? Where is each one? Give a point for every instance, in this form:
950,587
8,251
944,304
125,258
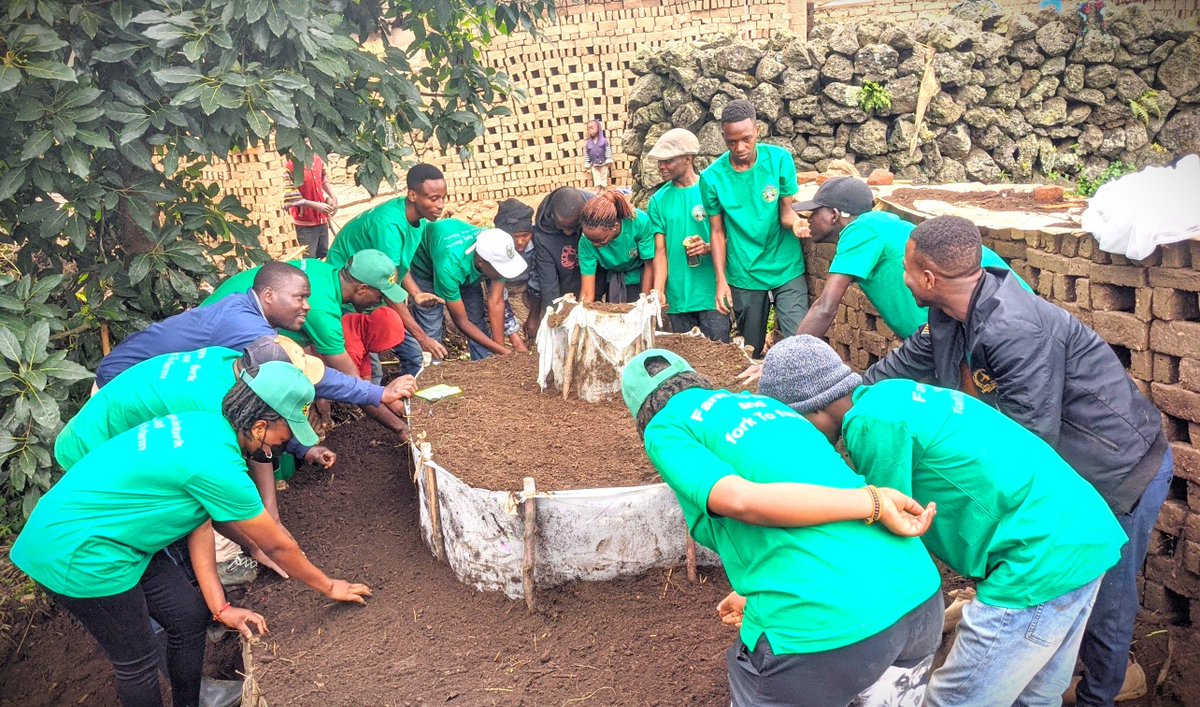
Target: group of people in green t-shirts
1001,414
1003,437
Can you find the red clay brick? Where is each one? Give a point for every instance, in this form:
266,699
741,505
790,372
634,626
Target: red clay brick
1176,338
1176,401
1122,329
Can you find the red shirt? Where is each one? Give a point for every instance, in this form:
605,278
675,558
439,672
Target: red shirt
371,333
312,189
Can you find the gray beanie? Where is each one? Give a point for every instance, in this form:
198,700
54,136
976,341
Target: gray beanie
806,374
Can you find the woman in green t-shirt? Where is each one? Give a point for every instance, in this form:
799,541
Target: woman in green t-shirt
110,541
617,238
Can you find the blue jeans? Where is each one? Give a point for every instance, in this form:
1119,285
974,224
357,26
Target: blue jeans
1005,657
1105,648
432,321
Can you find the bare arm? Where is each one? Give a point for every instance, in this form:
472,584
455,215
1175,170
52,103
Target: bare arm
495,311
458,313
267,534
264,480
821,313
716,225
587,289
411,328
203,553
647,276
341,362
660,268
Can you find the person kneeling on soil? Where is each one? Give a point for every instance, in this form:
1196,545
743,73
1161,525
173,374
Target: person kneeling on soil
618,238
833,608
1013,516
372,333
100,541
453,260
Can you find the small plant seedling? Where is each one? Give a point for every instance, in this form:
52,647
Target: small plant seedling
874,98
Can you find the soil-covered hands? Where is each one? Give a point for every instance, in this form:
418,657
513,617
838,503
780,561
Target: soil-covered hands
428,343
323,457
902,515
241,620
800,229
341,590
427,299
751,375
399,389
731,609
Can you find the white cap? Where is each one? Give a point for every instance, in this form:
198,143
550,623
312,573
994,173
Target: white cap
497,247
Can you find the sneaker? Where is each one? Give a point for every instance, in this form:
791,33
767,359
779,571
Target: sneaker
239,570
1133,687
961,598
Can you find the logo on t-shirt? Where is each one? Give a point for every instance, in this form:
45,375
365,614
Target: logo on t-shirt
983,382
632,252
770,194
568,257
698,212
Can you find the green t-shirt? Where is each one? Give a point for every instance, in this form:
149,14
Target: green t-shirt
384,228
1012,515
170,383
626,253
678,214
323,327
94,532
871,250
809,589
449,255
759,255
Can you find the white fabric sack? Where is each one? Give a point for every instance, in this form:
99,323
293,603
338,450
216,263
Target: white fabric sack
1138,212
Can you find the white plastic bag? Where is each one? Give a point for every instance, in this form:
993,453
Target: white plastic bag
1138,212
586,352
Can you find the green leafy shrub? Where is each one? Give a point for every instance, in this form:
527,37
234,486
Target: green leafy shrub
112,111
874,98
1087,186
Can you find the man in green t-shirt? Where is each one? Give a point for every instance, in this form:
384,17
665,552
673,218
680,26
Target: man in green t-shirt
1012,515
832,603
362,283
747,195
395,227
453,260
870,252
683,270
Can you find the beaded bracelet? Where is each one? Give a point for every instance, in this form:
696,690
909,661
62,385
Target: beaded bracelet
878,510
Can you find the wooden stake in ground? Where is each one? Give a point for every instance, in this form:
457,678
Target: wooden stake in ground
691,560
530,544
569,364
435,512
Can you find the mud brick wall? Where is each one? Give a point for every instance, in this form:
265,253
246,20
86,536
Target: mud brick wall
1149,312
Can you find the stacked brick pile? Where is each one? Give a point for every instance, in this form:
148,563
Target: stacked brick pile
1149,312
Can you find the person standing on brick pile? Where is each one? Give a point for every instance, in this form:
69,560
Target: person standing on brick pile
104,541
556,245
870,253
452,262
747,195
311,205
516,218
1012,516
829,608
1046,370
597,155
683,270
617,238
278,299
396,227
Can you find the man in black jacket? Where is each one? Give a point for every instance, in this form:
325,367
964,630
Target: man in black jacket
1043,368
556,243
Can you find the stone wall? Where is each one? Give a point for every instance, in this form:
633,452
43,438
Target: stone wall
1149,311
911,10
1016,97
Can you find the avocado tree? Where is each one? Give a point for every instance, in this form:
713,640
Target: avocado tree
112,109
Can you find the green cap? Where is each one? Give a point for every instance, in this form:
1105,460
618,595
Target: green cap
374,269
284,387
637,384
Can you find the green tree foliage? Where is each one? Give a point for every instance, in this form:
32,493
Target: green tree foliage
112,109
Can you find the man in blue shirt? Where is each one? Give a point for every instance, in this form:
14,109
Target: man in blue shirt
279,298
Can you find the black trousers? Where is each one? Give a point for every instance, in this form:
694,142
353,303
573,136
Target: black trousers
121,625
